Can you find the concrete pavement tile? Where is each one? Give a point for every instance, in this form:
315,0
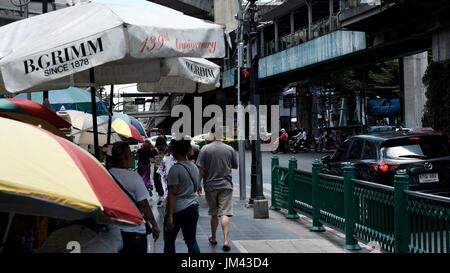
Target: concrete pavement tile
332,250
256,246
282,246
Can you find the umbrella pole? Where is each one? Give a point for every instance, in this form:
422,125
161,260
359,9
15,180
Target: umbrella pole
94,112
6,233
111,96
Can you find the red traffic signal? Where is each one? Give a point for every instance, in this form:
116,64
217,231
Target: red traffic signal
245,73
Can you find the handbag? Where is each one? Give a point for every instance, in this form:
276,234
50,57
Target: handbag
148,229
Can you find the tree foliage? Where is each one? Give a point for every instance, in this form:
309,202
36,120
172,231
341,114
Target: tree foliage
347,84
437,107
129,105
383,79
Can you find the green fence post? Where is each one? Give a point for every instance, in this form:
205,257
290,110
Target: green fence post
291,194
275,180
349,207
401,228
317,225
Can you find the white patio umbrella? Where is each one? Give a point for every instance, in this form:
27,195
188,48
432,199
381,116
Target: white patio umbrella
83,129
184,75
58,48
117,44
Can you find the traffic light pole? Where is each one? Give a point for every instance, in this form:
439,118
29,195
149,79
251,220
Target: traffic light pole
240,118
241,123
261,208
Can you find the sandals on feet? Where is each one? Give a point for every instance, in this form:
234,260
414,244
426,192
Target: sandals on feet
212,242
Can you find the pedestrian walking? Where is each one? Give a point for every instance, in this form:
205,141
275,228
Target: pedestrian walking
161,149
182,206
163,170
144,155
284,138
216,160
134,238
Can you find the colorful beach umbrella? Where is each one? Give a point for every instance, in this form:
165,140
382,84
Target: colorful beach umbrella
50,176
125,129
133,121
72,98
33,113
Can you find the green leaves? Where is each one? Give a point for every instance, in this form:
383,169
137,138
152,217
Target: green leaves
437,108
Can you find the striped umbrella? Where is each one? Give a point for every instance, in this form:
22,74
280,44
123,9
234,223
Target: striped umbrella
32,113
133,121
72,98
125,129
50,176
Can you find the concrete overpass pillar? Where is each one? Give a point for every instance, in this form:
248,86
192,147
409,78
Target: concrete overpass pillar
441,45
414,68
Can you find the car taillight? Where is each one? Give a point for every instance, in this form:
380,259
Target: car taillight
384,167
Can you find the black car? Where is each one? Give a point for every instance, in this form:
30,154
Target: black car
377,157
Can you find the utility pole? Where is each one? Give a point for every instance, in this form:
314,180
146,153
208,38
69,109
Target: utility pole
241,123
261,208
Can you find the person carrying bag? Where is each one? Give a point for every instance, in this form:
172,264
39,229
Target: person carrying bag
182,207
134,238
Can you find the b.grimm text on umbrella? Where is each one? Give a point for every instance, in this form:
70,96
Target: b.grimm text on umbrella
200,71
65,59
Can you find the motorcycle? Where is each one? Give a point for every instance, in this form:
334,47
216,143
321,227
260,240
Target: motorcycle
303,146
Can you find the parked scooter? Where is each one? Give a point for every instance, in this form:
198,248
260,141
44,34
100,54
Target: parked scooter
296,146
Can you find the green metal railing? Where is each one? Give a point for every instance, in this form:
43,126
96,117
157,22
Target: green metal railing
429,223
397,219
374,213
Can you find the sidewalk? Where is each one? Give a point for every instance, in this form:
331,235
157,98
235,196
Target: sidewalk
248,235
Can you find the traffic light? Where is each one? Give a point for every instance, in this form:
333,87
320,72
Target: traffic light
245,79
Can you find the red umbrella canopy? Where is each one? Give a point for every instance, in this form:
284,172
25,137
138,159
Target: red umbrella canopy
124,128
66,183
31,112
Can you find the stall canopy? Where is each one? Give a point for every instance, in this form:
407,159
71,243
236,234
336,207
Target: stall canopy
184,75
57,49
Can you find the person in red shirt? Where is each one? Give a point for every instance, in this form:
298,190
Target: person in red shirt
284,140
